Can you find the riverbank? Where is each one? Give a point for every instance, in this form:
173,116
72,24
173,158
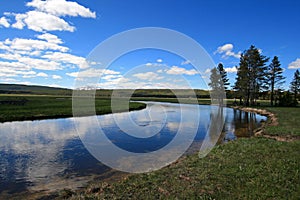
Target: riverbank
247,168
271,129
37,107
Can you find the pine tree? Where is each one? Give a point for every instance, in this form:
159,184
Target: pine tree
251,75
274,76
295,85
217,86
242,81
223,75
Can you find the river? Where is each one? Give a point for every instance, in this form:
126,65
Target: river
47,155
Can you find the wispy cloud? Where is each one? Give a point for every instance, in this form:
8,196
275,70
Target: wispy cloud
149,76
186,62
125,83
92,73
207,71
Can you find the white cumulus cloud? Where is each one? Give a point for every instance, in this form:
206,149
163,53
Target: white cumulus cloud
40,21
47,16
25,57
32,44
226,51
42,74
231,69
40,64
67,58
175,70
56,77
50,38
4,22
295,64
62,8
14,69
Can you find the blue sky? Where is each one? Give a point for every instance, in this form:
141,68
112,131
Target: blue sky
46,42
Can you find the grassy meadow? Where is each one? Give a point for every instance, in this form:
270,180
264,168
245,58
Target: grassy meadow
255,168
31,107
288,118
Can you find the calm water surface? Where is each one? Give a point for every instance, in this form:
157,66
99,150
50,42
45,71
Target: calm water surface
48,155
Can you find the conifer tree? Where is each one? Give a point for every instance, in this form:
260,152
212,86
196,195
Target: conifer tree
274,76
218,83
295,85
223,75
251,75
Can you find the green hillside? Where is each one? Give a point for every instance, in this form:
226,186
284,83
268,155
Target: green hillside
33,89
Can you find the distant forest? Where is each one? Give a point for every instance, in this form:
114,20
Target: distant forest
255,80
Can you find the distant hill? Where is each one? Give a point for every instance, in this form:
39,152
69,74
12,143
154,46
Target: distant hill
33,89
44,90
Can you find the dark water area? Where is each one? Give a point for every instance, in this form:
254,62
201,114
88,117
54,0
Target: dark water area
49,155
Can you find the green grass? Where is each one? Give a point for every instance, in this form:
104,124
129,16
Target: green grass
47,107
288,119
255,168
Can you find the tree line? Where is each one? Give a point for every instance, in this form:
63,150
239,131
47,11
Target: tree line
255,78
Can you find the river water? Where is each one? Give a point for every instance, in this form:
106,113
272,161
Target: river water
47,155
